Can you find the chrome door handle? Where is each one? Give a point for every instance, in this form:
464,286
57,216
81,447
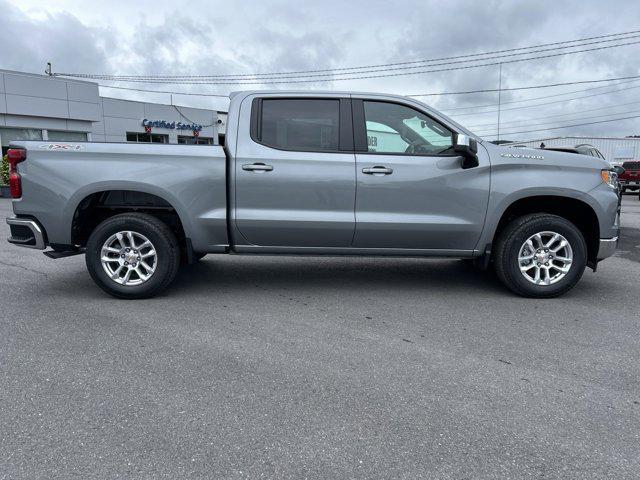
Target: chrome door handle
378,170
257,167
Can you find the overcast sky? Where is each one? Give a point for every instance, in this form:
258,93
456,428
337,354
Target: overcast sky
199,37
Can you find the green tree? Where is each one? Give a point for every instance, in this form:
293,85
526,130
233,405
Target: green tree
4,171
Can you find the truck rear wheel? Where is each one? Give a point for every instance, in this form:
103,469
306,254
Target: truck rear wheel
540,256
132,255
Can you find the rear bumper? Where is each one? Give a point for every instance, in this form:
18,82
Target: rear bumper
607,247
26,232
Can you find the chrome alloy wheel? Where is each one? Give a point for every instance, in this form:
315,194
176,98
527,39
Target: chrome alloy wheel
128,258
545,258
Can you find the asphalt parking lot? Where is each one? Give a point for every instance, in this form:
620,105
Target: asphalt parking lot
269,367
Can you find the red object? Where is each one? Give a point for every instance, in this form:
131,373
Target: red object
631,176
15,156
196,133
147,129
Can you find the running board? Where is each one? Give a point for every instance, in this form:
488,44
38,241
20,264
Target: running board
67,253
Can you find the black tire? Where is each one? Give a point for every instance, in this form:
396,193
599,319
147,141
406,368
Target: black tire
514,236
163,240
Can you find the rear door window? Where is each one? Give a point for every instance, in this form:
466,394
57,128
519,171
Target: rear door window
299,124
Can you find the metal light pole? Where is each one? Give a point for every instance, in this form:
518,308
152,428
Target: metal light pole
499,99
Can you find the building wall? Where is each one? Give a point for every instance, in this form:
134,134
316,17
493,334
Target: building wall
45,103
615,150
122,116
41,103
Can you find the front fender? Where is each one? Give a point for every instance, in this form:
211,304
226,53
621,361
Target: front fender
513,181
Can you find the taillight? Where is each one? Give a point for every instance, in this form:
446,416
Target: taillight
15,156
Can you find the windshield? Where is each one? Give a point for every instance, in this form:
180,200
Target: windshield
631,165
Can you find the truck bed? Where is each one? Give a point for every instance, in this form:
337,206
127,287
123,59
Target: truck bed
57,177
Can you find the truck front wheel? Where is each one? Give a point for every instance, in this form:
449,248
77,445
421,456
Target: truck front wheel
132,255
540,256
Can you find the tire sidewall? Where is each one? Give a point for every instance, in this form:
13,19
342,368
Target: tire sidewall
129,223
554,224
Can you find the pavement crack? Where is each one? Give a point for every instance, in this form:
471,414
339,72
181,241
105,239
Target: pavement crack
7,264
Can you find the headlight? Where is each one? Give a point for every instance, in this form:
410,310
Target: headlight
610,178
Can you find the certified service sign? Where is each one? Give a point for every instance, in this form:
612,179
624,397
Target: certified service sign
171,125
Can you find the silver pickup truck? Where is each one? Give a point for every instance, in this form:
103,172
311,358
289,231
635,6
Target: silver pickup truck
317,173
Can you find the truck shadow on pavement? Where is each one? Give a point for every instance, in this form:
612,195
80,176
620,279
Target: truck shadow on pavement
353,275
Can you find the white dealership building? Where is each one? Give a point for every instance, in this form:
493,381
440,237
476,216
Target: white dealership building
40,107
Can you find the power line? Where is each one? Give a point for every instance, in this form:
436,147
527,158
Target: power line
539,98
384,65
166,91
530,87
634,78
573,119
569,126
556,116
185,78
290,80
188,119
455,115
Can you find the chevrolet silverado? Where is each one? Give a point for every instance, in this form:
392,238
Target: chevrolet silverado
316,173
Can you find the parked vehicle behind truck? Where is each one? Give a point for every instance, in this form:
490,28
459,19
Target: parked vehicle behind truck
630,179
308,173
580,149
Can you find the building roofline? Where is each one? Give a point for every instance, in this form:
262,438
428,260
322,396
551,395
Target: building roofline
39,75
578,137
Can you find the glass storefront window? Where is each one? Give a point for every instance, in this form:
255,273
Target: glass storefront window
147,137
62,136
8,135
187,140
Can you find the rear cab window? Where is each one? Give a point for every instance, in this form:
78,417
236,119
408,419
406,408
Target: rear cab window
302,124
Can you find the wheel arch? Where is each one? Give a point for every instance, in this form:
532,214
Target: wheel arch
88,207
576,210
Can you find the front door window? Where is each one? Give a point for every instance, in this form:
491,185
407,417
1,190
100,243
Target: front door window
393,128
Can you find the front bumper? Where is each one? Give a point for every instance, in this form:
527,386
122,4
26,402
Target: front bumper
607,247
26,233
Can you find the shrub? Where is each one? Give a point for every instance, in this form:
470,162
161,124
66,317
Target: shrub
4,171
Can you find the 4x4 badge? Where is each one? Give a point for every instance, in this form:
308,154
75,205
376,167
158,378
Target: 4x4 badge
61,146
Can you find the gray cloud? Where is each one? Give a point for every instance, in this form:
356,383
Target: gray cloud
205,38
27,44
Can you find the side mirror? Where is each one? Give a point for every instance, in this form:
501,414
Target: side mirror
619,170
468,148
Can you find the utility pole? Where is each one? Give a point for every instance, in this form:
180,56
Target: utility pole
499,99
